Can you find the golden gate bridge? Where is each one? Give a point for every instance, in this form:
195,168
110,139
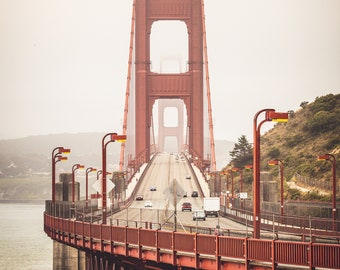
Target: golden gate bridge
135,240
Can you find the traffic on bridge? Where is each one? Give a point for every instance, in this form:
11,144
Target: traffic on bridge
150,231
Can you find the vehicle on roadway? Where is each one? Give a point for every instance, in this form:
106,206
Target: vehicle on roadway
197,215
186,206
139,197
211,206
148,204
194,194
153,188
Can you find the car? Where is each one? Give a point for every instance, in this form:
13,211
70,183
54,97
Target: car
186,206
188,177
139,197
148,204
200,214
194,194
153,188
185,195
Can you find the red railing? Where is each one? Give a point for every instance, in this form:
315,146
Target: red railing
151,244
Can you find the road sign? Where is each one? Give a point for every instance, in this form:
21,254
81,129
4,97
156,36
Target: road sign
98,185
243,195
171,190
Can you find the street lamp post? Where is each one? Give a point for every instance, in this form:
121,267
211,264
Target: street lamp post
332,159
112,137
280,163
56,157
270,115
74,168
88,170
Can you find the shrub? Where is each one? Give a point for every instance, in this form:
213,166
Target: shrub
322,121
324,103
274,152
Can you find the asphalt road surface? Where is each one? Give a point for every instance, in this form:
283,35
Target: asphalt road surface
169,174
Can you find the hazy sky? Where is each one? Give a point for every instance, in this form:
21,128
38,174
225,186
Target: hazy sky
63,63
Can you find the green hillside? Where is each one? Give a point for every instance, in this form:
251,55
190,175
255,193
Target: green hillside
312,131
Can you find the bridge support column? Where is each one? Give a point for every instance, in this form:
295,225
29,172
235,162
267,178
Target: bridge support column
66,257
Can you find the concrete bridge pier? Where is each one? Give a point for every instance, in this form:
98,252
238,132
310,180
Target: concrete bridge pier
66,257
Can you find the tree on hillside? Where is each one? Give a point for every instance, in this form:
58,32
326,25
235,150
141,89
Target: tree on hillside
242,154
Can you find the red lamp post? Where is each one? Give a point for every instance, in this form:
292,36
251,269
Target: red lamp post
270,115
74,168
88,170
110,137
279,162
56,157
332,159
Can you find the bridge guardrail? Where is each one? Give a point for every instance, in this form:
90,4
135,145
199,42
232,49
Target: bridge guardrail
104,238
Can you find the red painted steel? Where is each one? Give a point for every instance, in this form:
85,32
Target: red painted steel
190,249
231,247
148,238
186,86
184,242
295,253
259,249
206,244
324,255
132,236
165,239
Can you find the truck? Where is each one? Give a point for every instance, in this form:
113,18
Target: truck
211,206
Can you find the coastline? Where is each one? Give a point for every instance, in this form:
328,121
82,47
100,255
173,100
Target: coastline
39,202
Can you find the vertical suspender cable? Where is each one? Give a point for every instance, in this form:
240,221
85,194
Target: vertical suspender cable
211,130
128,85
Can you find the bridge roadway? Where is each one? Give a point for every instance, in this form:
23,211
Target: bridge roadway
161,174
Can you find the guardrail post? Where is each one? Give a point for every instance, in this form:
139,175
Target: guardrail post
310,256
246,260
101,237
174,252
274,264
217,252
196,253
126,243
157,247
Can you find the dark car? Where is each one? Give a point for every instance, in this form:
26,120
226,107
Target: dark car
186,206
194,194
139,197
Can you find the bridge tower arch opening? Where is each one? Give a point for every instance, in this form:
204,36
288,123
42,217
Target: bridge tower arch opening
171,125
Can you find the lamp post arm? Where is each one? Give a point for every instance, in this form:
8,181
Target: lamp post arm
104,176
256,172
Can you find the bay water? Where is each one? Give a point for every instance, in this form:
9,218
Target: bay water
23,242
